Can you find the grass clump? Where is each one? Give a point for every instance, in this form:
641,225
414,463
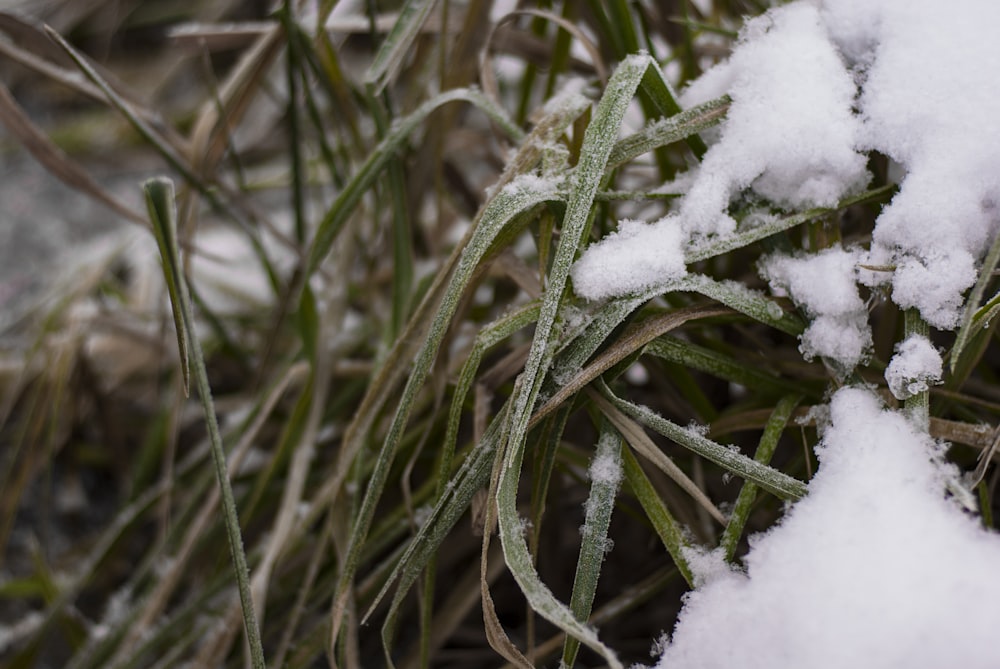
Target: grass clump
414,414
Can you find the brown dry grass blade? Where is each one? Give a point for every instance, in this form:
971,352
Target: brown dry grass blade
55,161
40,54
30,38
210,134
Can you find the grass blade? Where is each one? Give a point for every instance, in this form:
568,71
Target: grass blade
589,174
343,206
163,215
397,43
668,529
160,199
974,316
772,480
605,475
748,493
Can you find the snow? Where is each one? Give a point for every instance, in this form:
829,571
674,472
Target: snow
915,367
824,285
925,107
790,132
817,85
875,568
635,256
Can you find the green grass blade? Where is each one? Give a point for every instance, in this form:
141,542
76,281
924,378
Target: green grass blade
605,475
664,524
163,216
506,209
640,442
772,226
488,337
693,356
662,96
683,125
471,477
160,199
508,205
345,202
772,480
588,177
974,317
748,493
397,43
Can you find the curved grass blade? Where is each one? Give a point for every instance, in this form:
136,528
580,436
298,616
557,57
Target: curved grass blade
622,349
160,199
450,507
488,337
588,178
742,238
644,446
163,216
605,475
505,207
660,93
503,211
718,364
974,317
668,130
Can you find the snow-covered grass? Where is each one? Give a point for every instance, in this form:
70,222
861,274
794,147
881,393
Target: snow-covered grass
538,362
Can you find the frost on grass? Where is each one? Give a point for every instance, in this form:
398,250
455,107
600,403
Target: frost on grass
824,285
916,365
874,568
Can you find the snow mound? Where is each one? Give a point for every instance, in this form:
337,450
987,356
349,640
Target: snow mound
874,568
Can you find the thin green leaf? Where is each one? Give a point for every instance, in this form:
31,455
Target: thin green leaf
506,208
665,131
666,527
160,198
772,226
719,365
343,206
163,216
748,493
662,96
772,480
605,475
397,43
973,317
588,178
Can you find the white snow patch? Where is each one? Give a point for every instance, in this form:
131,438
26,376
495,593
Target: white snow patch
814,84
874,568
927,104
825,285
790,133
636,256
916,365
